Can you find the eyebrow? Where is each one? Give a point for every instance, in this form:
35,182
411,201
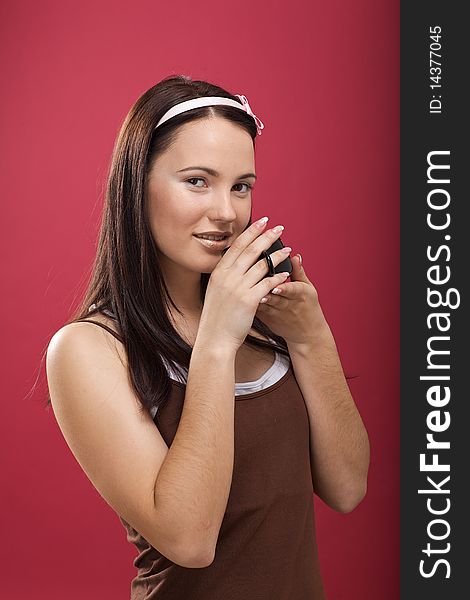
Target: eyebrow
212,172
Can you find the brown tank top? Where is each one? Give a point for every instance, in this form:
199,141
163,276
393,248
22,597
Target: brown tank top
266,548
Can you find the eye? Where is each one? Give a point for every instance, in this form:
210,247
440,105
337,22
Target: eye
195,179
248,185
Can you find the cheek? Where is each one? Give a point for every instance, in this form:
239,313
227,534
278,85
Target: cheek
172,211
243,219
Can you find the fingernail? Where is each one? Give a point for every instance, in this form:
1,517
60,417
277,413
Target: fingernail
263,300
276,290
286,249
262,222
300,259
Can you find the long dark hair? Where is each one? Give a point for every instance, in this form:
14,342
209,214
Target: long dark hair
126,280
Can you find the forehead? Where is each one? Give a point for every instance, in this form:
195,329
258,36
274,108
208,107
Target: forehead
210,142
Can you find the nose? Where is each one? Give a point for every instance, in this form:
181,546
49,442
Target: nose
221,207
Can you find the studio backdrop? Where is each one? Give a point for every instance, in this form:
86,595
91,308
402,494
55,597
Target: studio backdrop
324,79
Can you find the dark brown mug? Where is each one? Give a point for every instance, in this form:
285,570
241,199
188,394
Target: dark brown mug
283,266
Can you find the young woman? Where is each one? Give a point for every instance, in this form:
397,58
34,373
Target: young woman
204,415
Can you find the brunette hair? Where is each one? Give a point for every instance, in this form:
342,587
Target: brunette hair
126,280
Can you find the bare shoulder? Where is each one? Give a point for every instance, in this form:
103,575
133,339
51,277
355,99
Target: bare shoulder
84,355
116,444
96,338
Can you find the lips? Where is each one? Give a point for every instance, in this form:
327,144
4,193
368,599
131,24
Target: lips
213,244
216,234
212,238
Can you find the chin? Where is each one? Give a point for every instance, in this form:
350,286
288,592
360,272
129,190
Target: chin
208,267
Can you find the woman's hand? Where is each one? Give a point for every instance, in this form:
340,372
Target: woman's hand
294,313
236,286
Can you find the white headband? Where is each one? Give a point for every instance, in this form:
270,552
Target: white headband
211,101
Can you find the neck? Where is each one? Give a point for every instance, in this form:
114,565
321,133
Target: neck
184,287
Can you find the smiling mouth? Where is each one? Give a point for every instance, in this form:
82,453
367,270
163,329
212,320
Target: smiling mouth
217,245
213,238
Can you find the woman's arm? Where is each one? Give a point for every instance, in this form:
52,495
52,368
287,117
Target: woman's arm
193,484
339,445
175,497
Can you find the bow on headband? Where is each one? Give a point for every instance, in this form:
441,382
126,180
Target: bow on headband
247,107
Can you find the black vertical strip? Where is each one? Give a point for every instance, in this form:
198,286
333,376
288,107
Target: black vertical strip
435,271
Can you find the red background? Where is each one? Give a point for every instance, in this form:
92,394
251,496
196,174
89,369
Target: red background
324,79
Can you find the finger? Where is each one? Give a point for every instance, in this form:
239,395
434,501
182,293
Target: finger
268,283
287,290
298,272
247,248
274,301
260,269
236,244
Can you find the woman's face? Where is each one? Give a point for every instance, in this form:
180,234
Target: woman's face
184,199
